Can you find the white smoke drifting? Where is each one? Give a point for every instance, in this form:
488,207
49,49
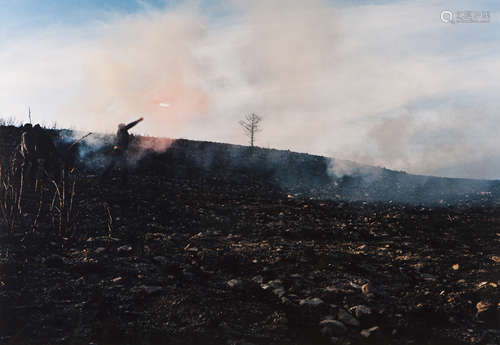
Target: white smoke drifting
389,85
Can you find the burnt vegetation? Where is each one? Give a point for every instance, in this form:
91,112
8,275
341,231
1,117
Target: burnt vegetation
221,244
251,126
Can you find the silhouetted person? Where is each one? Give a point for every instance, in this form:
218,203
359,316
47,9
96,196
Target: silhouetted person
27,143
37,151
119,154
68,151
45,152
26,149
45,147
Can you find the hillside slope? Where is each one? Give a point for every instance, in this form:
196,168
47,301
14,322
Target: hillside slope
196,251
296,173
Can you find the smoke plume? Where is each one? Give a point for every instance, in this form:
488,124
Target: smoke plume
389,85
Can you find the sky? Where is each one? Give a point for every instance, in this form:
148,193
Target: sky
386,83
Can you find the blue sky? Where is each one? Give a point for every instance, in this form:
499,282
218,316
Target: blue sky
381,82
30,14
69,10
22,16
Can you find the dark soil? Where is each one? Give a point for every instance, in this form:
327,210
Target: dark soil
192,255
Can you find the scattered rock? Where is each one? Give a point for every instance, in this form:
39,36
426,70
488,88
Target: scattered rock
355,286
311,302
286,301
107,286
331,328
361,311
346,318
272,284
235,283
124,249
116,280
100,250
280,292
368,290
370,332
488,312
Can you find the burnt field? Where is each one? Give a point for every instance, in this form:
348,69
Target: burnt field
215,244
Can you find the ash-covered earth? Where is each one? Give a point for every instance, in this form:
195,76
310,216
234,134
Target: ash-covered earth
217,244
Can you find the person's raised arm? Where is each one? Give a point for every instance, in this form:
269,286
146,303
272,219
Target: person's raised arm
132,124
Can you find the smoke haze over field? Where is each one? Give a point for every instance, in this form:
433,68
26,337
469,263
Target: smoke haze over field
386,84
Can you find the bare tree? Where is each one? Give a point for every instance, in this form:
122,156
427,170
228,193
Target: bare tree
251,126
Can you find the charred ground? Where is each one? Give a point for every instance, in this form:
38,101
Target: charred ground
216,244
